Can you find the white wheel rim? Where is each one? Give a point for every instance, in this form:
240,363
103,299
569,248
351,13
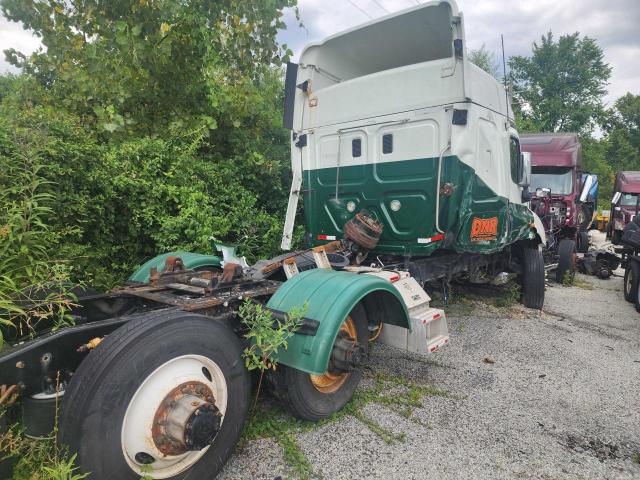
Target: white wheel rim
138,420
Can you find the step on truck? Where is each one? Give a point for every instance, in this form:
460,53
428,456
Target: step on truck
624,204
410,168
563,196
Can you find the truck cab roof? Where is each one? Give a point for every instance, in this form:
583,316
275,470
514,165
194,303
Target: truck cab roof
405,61
552,149
628,182
419,34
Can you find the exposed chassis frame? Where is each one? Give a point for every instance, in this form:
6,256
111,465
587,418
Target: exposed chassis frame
33,363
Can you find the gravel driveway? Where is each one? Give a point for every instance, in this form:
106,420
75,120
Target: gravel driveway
530,395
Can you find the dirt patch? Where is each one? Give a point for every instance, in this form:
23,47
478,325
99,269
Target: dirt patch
602,449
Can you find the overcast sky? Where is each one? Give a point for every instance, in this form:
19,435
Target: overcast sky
615,24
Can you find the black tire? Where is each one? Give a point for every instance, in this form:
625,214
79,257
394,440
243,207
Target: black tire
583,242
297,393
96,400
533,277
616,237
637,290
566,260
631,281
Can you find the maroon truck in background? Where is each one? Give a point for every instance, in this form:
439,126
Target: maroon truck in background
624,205
557,195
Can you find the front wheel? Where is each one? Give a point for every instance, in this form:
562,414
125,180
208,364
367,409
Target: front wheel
566,269
316,397
165,396
532,279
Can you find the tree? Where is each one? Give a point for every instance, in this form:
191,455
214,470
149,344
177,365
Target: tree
595,160
158,125
486,60
146,65
625,116
560,87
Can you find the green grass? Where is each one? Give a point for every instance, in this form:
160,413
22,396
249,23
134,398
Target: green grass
36,459
395,393
510,296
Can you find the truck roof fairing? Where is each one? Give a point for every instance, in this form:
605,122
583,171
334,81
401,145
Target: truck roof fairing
552,149
414,35
628,182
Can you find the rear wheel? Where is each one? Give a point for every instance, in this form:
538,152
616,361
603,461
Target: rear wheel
165,396
566,270
532,279
315,397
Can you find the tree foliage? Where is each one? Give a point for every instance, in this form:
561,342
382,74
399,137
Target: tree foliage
144,66
560,87
486,60
158,125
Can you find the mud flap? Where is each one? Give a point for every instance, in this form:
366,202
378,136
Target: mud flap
429,329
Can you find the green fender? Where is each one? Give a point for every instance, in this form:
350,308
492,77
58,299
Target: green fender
190,260
330,295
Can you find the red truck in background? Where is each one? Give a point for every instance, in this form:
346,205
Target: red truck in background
624,204
562,196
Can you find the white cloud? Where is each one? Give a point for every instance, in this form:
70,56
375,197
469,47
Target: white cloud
12,35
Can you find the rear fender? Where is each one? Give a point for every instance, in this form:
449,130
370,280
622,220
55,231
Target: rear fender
330,296
190,260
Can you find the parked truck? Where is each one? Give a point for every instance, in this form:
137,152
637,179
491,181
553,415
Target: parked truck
563,196
624,204
411,172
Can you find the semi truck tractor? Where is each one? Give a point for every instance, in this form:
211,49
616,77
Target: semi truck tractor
624,204
563,196
411,170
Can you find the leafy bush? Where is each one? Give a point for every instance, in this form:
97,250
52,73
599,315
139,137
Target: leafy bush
267,335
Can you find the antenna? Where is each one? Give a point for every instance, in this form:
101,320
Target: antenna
504,77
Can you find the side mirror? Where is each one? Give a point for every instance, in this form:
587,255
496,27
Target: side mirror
616,198
525,169
586,186
289,94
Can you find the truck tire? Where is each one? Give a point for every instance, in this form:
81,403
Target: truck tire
161,368
316,397
616,237
583,242
637,301
566,260
532,279
631,276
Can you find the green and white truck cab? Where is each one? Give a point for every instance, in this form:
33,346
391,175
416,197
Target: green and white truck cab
391,117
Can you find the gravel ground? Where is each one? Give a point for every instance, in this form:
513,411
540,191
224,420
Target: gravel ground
532,395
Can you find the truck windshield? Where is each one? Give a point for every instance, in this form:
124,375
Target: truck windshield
558,179
628,199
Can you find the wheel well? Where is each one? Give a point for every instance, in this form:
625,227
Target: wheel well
382,306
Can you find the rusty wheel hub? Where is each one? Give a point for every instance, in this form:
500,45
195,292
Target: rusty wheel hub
345,357
187,419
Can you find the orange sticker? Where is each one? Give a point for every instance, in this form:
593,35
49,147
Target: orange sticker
484,229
